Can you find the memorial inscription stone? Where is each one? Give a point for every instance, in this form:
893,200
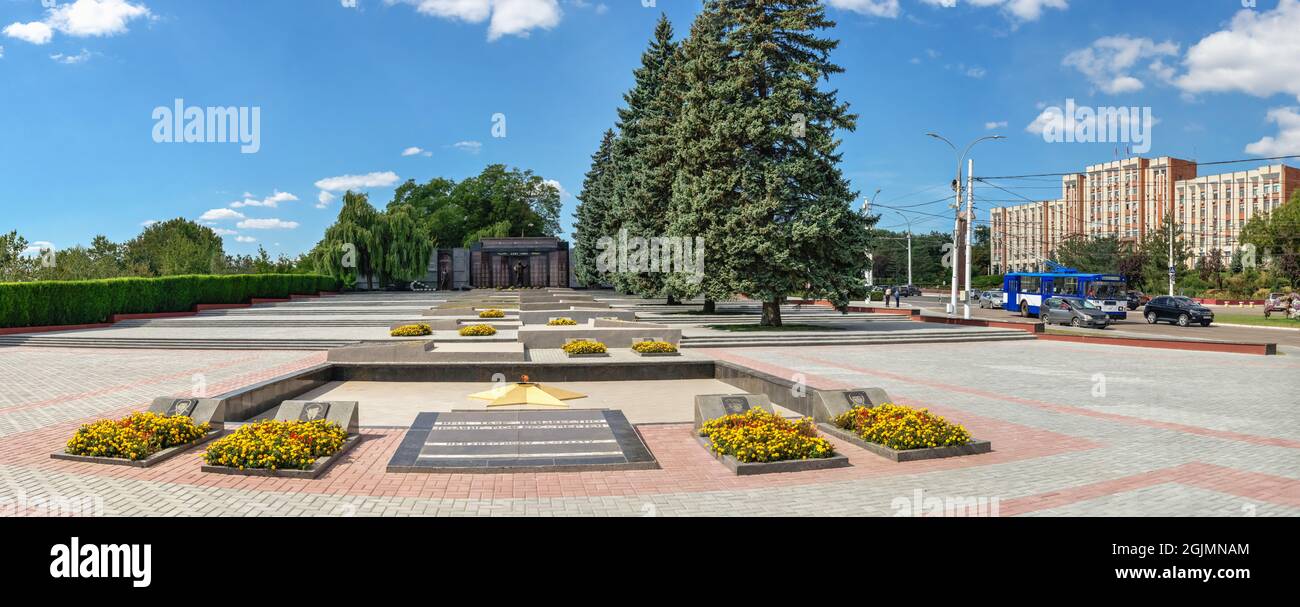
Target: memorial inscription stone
201,410
829,404
343,413
713,406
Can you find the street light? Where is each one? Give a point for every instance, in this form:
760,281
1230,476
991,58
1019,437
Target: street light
867,203
957,190
909,247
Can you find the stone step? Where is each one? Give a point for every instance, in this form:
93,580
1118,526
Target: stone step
854,341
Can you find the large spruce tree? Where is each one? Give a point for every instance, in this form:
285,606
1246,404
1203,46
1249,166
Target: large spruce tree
592,215
795,228
643,179
704,192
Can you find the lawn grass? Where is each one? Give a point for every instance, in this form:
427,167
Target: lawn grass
1256,319
758,328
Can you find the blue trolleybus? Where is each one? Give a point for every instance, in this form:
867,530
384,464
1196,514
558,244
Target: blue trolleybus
1027,290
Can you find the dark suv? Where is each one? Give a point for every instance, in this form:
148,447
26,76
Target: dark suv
1178,309
1137,299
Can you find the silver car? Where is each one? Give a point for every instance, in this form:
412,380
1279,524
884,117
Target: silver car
994,299
1074,311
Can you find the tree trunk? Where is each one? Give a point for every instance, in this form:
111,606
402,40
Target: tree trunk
710,306
772,313
672,300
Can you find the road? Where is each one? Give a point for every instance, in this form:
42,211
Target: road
1136,325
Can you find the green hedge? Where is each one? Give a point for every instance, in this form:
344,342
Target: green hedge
76,302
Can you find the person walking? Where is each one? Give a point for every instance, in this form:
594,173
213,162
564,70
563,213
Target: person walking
898,295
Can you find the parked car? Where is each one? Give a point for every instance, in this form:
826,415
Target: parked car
911,290
1180,310
994,299
1074,311
1137,299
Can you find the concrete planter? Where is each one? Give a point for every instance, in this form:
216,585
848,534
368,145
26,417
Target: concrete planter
588,355
792,465
156,458
322,464
651,354
975,447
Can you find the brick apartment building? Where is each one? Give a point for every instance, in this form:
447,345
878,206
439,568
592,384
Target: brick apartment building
1128,198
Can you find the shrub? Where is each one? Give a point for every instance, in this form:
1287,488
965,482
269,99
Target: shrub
584,346
653,346
902,428
492,314
759,436
74,302
134,437
415,330
561,322
277,445
477,331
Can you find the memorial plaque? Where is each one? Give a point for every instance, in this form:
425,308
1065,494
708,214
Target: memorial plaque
713,406
345,413
503,441
830,404
201,410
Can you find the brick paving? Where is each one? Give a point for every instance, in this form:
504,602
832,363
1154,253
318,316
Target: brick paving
1172,433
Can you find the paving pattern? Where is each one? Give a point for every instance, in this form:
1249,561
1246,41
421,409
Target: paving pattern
1077,429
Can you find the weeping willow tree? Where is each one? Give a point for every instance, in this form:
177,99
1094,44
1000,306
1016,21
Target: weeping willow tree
379,246
403,245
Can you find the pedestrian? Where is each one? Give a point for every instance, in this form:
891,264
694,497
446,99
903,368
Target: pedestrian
888,291
898,295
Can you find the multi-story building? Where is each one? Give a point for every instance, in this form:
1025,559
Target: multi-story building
1129,198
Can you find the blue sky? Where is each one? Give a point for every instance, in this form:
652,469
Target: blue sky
343,91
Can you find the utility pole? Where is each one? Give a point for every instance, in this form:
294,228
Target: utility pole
970,229
1171,256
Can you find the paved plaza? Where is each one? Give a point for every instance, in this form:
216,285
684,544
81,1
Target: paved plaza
1077,429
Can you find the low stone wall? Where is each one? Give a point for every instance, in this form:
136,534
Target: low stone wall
541,336
536,306
250,401
535,317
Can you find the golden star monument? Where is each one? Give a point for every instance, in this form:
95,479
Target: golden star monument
524,392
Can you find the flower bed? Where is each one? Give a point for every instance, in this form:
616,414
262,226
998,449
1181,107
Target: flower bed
135,437
759,436
584,347
415,330
494,313
276,445
477,331
653,347
902,428
561,322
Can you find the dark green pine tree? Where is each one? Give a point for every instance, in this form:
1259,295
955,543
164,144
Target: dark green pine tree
705,188
643,180
794,229
591,217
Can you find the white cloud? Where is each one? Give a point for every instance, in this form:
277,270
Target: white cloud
1287,141
1109,63
245,239
271,201
220,214
324,199
224,232
1049,116
992,125
357,182
472,147
505,17
80,19
148,222
873,8
81,57
976,72
35,32
559,188
1018,10
416,151
1256,55
266,224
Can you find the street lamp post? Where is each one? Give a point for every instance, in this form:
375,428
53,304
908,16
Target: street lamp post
871,259
909,247
957,191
